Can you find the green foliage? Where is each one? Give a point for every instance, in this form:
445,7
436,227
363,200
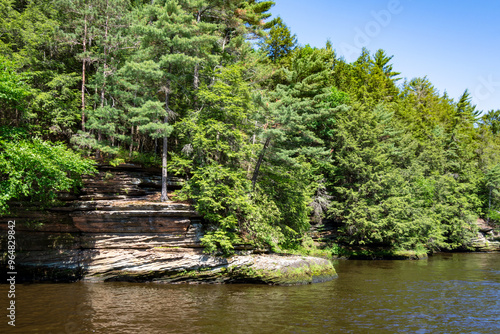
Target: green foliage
381,61
268,140
220,195
37,170
391,193
13,91
338,98
291,189
494,216
218,145
280,42
493,188
492,121
56,108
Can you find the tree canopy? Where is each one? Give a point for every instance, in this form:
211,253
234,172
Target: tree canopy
271,137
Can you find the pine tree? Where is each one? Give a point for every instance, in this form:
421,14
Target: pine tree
78,29
280,41
493,188
109,111
381,60
293,114
293,135
491,120
217,152
240,20
167,33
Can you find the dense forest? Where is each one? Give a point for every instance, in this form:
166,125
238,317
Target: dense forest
269,134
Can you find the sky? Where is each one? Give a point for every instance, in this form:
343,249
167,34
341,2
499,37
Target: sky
456,44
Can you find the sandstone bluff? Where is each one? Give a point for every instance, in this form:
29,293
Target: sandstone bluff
114,230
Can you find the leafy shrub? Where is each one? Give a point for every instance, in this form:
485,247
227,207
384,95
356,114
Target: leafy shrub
37,170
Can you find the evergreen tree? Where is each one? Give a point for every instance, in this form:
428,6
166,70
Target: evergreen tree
491,119
294,128
108,115
280,42
267,139
381,61
216,154
78,29
167,34
493,188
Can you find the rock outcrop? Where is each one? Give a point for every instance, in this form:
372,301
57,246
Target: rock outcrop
116,230
488,237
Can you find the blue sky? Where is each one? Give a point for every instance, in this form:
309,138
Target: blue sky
456,44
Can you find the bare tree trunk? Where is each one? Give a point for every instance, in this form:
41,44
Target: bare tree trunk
223,44
196,80
259,162
164,194
131,141
103,87
489,205
164,175
83,70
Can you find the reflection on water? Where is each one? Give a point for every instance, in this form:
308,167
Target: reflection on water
451,293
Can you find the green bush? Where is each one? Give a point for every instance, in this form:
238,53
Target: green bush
37,170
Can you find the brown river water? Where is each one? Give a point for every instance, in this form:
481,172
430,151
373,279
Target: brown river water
448,293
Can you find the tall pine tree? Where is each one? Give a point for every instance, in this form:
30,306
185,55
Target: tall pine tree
168,32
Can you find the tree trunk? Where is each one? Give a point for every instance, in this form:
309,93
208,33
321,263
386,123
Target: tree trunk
164,193
259,162
99,139
196,80
253,146
196,74
83,70
489,205
131,141
103,87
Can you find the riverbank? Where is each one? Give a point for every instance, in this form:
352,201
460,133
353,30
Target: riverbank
325,235
115,229
170,266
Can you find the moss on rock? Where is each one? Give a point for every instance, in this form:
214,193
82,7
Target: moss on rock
281,270
257,269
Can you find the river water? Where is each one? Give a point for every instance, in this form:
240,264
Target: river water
448,293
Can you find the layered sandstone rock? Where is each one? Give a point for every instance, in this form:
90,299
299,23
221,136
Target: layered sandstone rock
115,229
488,237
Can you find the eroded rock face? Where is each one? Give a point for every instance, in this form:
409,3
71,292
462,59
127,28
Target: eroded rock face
488,237
178,265
113,224
131,226
114,230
